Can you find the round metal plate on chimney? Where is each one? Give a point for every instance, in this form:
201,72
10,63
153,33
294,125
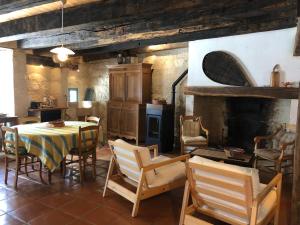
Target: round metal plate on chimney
223,68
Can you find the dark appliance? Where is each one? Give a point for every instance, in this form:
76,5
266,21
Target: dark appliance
160,126
35,105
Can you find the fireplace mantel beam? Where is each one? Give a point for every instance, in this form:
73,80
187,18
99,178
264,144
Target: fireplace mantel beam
254,92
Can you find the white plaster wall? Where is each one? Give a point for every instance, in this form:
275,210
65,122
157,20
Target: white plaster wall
258,53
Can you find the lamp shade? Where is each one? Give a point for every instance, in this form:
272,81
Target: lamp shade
62,51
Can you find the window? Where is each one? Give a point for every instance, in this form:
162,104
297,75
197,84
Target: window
73,94
7,99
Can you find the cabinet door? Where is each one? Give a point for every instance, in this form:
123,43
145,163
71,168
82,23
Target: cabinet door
117,85
114,111
129,120
133,86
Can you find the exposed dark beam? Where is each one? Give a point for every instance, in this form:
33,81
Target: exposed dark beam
99,14
40,60
184,35
226,19
7,6
114,15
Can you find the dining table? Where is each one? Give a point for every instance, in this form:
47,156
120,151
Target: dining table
51,144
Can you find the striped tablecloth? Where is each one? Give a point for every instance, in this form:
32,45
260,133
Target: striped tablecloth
51,145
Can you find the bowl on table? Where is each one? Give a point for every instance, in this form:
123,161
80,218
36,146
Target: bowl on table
56,123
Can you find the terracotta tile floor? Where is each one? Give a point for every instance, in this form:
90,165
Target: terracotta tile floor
67,202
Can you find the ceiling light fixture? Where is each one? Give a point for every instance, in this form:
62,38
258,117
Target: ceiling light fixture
62,52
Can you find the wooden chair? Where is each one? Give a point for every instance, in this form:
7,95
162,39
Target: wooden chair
96,120
28,120
139,176
277,148
92,119
86,149
228,193
14,153
192,133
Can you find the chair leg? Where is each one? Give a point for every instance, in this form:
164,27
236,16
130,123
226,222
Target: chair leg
94,164
182,149
109,173
49,176
63,168
136,207
185,202
255,162
25,166
32,163
138,194
40,171
80,168
84,166
17,173
6,170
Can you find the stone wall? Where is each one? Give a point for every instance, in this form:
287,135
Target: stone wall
167,67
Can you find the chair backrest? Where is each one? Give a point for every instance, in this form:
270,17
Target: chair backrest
129,158
88,138
222,188
29,120
190,126
10,140
92,119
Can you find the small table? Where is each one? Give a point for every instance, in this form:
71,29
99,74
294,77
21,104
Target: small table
219,155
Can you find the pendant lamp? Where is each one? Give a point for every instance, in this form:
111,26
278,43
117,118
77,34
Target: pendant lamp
62,52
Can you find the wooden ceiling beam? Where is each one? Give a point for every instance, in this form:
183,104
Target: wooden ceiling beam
161,25
115,18
181,35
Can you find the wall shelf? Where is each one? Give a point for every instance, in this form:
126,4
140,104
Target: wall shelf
254,92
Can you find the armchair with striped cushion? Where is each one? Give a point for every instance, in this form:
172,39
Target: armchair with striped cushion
229,193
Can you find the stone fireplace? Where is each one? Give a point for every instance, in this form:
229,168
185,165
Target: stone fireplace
235,121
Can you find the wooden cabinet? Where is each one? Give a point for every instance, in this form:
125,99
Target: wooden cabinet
114,111
117,85
130,88
130,83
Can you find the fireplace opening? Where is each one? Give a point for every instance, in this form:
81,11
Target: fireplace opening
247,118
235,121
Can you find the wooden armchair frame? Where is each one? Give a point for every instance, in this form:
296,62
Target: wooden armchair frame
252,204
143,191
201,127
283,146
